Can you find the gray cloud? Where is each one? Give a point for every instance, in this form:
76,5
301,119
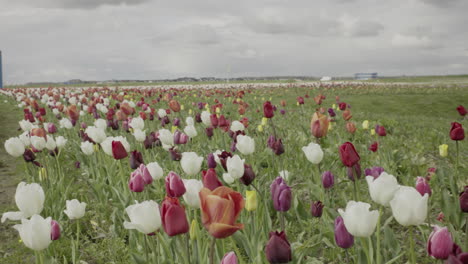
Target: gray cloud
79,4
441,3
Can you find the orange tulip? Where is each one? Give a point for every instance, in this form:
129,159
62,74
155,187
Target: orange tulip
283,103
347,114
220,209
351,127
174,105
319,125
73,112
241,109
39,132
319,98
127,109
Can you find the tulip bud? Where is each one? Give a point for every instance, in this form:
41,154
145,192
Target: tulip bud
358,218
251,201
300,100
319,125
461,110
440,243
136,182
374,171
75,209
365,124
55,230
422,186
313,152
210,179
348,154
268,109
249,175
343,238
456,132
173,217
174,185
210,160
209,132
118,150
464,200
229,258
278,249
136,159
374,147
331,112
194,230
351,127
328,179
443,150
35,232
316,209
281,195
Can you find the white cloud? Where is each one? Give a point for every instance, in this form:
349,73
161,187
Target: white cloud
408,41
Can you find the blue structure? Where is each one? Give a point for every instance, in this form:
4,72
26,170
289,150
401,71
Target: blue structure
1,72
365,76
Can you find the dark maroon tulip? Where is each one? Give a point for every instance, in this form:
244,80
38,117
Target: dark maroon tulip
342,106
200,105
331,112
214,120
77,164
249,175
278,147
149,141
173,217
343,238
42,111
118,150
464,200
281,195
198,118
229,258
271,141
282,111
223,123
51,128
165,120
460,259
223,157
300,100
328,179
374,172
176,122
268,110
174,185
278,249
461,110
55,230
380,130
210,179
422,186
233,146
348,154
114,124
210,160
440,243
457,132
29,155
374,147
136,182
175,155
316,209
354,172
209,131
136,159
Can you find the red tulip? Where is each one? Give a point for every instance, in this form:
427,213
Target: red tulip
214,120
268,111
461,110
342,106
278,249
457,132
380,130
210,179
348,154
374,147
300,100
174,219
118,150
174,185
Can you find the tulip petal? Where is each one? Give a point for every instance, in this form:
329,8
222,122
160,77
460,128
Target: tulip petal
220,230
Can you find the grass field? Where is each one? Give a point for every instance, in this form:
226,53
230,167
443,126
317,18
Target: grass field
417,119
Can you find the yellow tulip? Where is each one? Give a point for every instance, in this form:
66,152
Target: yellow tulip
365,124
174,128
190,111
182,107
330,126
260,128
238,100
193,230
443,150
372,132
251,201
264,121
297,103
42,174
218,110
334,106
207,107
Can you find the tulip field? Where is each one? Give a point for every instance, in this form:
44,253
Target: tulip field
235,173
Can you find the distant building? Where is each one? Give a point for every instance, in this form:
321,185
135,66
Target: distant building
365,76
326,79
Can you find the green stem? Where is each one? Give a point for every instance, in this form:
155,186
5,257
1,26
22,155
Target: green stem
212,250
77,236
355,190
187,239
411,238
146,247
282,220
379,256
456,168
366,250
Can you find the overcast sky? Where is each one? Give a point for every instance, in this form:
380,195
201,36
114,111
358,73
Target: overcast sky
58,40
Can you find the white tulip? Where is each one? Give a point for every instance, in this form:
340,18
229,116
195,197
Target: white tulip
55,111
245,144
166,137
313,153
139,135
162,113
29,199
155,170
107,144
227,178
137,123
75,209
25,138
206,118
408,206
100,123
235,167
65,123
383,188
191,163
237,126
284,174
190,131
14,146
189,121
358,219
96,134
144,217
50,143
25,125
38,143
61,142
215,154
87,148
192,188
35,233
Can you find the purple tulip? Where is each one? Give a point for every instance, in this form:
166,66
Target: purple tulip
249,175
422,186
440,243
328,179
136,183
229,258
51,128
211,161
136,158
144,172
354,172
331,112
174,185
176,122
278,249
343,238
198,118
316,209
209,132
374,172
282,111
55,231
77,164
281,195
175,155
